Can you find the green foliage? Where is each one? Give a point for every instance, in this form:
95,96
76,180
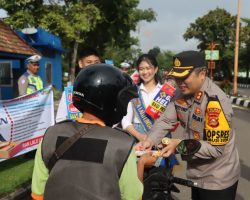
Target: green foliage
101,24
119,55
164,58
57,94
119,19
227,87
245,50
217,26
155,51
20,18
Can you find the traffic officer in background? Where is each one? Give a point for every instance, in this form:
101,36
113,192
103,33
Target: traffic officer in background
30,82
205,113
124,67
86,158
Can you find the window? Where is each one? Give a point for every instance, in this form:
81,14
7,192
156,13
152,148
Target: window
48,68
6,75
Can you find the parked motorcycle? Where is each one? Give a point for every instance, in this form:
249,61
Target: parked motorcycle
159,182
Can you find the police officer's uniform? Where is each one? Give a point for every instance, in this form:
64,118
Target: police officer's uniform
28,82
216,165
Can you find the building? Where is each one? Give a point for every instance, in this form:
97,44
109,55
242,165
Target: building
15,47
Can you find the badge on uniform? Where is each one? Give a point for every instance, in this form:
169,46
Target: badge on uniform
199,96
197,111
182,102
194,124
179,115
22,81
217,130
196,135
213,117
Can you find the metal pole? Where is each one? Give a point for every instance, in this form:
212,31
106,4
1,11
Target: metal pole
211,65
236,54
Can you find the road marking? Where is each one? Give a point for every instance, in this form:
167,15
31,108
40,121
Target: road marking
240,107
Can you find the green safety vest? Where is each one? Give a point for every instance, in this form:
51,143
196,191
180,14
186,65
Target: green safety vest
34,83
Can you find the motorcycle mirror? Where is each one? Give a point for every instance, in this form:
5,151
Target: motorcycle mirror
188,147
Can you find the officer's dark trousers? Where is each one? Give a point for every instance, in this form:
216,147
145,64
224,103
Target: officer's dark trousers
226,194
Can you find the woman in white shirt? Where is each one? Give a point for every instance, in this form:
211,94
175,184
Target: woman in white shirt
149,86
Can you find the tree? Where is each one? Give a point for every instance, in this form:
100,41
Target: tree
87,22
245,50
119,55
217,26
70,21
155,51
119,19
164,58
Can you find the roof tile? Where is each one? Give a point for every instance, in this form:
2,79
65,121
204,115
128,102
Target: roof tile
10,42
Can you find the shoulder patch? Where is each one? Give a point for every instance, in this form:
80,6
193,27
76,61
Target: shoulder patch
23,81
199,96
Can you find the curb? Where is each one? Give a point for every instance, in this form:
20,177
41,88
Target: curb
240,101
243,85
20,194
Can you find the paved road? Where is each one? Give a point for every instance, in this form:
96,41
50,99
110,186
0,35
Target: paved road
242,125
244,92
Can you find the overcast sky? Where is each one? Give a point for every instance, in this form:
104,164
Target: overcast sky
174,17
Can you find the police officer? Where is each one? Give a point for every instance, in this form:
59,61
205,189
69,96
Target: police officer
100,163
30,82
205,113
124,67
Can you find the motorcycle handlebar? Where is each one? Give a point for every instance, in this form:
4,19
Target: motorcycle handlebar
183,182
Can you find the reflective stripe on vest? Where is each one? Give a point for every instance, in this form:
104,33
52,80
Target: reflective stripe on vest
34,83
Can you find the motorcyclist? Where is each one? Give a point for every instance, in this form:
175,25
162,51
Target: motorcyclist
101,163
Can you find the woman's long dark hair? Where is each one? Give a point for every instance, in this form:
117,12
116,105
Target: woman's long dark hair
152,61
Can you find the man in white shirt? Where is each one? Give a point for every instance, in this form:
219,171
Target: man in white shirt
88,56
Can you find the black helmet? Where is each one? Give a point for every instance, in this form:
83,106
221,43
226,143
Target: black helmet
103,91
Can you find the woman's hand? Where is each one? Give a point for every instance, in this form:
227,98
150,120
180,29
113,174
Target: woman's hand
146,144
142,137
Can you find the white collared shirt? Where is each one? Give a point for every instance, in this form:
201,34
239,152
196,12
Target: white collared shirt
147,97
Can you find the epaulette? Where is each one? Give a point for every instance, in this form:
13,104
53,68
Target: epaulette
26,74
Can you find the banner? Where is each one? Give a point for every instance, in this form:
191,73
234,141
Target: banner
135,77
23,122
72,111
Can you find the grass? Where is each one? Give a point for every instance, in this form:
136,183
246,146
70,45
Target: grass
15,173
